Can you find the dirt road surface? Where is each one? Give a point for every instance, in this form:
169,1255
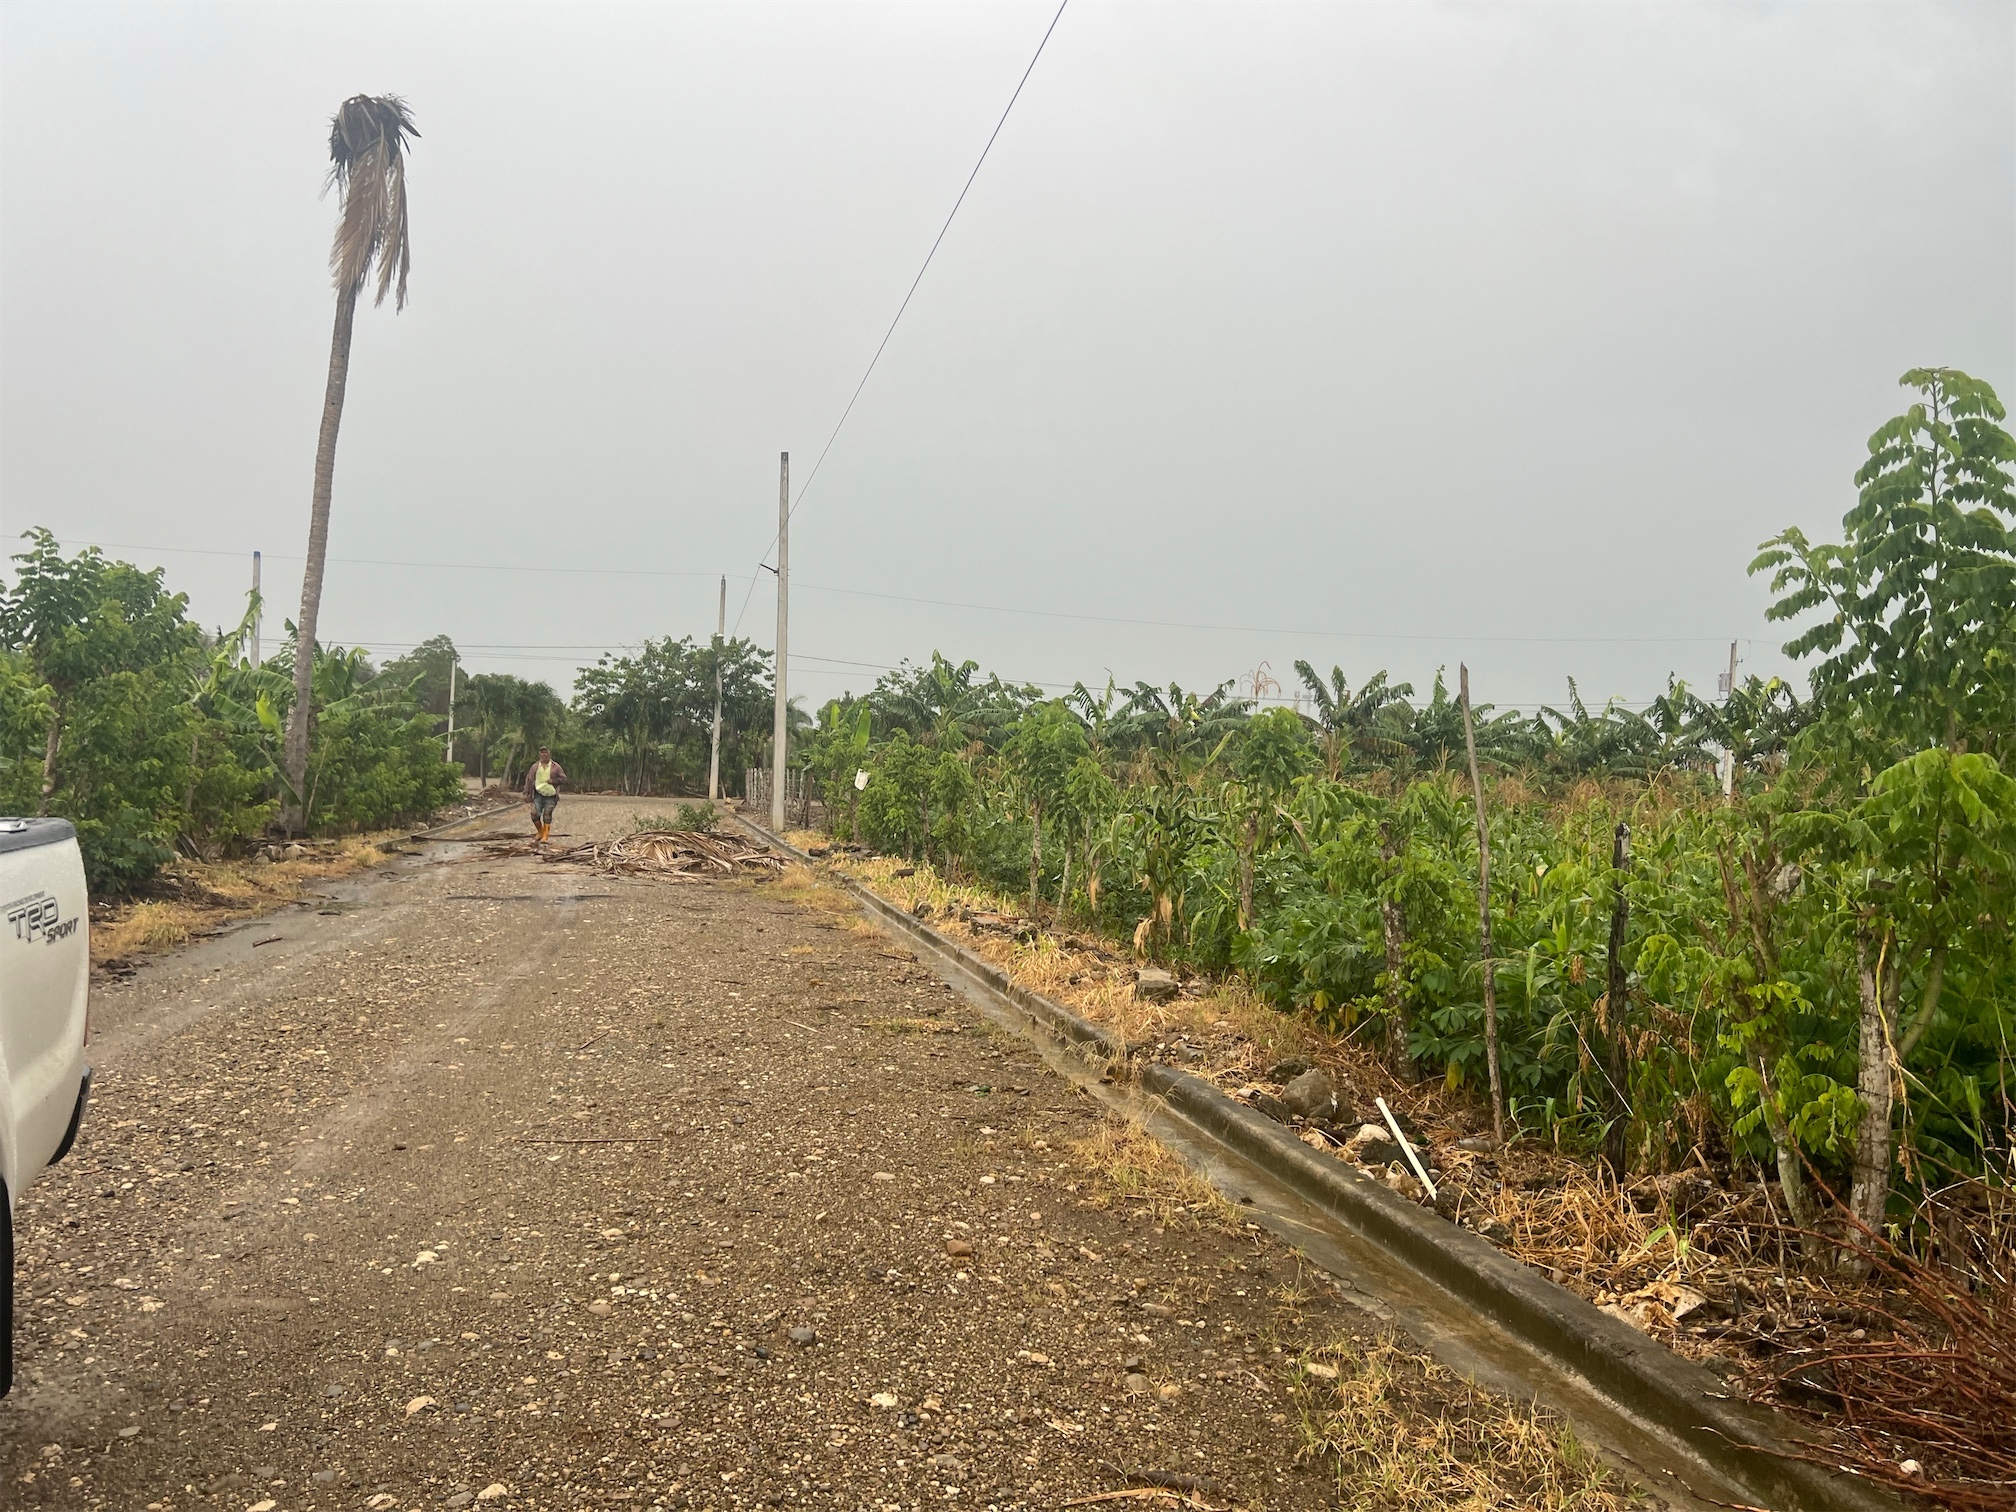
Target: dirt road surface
487,1184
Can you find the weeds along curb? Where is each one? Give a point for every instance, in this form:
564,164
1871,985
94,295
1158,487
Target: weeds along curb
1677,1399
1683,1400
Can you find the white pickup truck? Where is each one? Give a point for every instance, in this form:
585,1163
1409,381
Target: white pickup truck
45,969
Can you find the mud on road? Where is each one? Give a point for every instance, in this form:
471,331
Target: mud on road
487,1184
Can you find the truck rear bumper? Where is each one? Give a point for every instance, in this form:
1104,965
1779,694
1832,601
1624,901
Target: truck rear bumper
76,1118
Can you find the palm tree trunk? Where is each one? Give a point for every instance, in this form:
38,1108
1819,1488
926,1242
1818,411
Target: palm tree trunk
301,719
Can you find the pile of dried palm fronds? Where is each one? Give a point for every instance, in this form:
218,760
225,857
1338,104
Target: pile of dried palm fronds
676,855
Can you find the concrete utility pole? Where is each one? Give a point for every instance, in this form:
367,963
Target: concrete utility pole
780,729
1728,761
448,751
714,756
258,609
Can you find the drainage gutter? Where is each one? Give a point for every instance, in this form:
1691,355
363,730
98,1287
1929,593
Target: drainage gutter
1682,1405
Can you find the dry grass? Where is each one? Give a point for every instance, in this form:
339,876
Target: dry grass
195,897
1400,1433
1134,1171
1236,1033
806,887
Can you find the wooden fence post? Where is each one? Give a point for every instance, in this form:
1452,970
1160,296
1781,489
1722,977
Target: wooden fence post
1484,915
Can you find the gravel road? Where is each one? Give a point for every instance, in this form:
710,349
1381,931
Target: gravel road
484,1183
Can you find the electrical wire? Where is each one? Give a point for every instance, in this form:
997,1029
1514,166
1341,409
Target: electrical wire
1454,638
840,666
285,556
806,486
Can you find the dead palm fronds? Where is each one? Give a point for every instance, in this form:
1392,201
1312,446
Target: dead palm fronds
678,855
367,169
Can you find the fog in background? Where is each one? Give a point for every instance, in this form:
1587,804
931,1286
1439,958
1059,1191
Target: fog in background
1384,335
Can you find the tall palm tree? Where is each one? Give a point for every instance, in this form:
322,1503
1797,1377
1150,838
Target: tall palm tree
367,168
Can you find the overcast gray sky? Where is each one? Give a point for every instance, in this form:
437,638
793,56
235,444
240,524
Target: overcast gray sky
1390,335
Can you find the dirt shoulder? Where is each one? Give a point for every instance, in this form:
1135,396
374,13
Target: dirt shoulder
503,1185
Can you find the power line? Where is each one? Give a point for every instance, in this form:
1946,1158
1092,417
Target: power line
806,487
283,556
1447,637
1115,619
840,666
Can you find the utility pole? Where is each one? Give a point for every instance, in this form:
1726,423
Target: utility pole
780,730
714,756
448,752
258,609
1728,762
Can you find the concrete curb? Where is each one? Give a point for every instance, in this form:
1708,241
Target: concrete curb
1687,1403
1681,1401
489,813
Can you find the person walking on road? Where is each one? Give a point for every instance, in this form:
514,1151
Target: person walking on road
542,787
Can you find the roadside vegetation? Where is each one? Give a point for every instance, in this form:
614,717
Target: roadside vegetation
159,738
1763,939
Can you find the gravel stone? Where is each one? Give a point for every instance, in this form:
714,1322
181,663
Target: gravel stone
635,1123
1310,1096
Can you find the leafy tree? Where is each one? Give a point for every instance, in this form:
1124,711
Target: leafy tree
115,652
27,710
835,753
1913,689
1919,598
1927,877
916,794
658,708
1617,740
425,673
1039,757
945,705
506,717
1273,752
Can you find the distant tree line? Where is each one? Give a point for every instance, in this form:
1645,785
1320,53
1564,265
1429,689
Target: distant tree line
153,735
